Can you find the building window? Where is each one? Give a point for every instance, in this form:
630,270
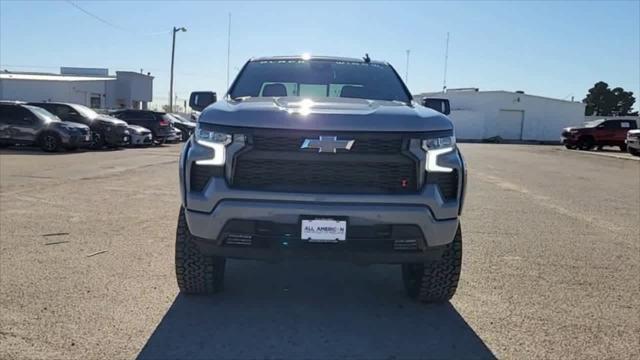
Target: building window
94,101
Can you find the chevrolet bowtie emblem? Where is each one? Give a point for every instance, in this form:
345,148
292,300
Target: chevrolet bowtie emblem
327,144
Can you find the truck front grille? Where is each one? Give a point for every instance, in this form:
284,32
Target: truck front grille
376,164
326,177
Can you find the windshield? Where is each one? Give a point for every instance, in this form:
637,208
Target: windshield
593,123
319,78
42,113
85,111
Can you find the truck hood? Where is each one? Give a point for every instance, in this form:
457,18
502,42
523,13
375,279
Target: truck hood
337,114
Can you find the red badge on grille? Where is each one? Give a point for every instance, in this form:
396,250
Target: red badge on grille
404,183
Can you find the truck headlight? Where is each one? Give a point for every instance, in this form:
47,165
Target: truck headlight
215,140
435,147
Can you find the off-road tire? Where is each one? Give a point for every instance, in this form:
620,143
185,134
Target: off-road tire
623,148
196,273
570,147
437,281
633,151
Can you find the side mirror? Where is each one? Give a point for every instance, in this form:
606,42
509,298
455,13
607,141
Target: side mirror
201,99
440,105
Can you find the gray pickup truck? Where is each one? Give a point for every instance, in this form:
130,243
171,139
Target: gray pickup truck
321,157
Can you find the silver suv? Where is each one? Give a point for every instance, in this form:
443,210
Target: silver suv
321,157
22,124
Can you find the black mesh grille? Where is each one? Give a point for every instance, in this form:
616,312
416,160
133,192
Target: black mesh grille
447,183
369,144
274,161
336,176
200,175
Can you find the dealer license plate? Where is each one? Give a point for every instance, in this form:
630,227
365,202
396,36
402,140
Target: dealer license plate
324,230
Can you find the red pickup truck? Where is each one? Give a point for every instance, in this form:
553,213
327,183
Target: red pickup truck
599,133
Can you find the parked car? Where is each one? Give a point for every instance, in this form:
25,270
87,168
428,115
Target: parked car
31,125
105,130
633,142
140,136
348,169
186,127
598,133
175,137
159,123
184,118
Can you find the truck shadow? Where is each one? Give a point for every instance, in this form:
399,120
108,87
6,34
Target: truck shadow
311,310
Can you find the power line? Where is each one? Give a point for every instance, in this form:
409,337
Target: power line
108,23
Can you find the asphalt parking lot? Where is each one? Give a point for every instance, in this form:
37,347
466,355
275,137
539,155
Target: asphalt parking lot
550,270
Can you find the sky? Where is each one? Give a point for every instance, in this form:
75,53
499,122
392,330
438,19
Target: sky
554,49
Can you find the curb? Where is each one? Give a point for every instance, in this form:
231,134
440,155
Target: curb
602,154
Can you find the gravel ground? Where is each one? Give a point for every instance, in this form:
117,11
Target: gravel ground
550,269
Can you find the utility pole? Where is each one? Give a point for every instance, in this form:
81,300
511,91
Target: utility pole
173,53
446,60
406,75
228,49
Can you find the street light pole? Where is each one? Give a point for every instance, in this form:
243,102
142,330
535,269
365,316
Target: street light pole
173,53
406,76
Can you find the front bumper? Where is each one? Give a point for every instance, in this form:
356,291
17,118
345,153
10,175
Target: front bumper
568,140
633,142
207,226
117,138
77,140
174,137
210,209
141,139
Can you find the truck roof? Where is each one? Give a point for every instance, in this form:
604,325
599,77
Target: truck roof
314,57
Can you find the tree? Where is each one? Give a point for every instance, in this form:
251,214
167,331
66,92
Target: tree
603,101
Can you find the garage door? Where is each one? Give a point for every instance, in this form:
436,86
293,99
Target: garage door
509,124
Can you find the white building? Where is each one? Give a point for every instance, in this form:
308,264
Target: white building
479,115
91,87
